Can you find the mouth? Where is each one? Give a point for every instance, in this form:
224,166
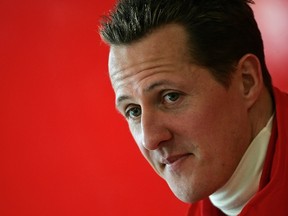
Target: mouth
173,162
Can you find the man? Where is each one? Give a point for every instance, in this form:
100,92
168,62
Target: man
191,80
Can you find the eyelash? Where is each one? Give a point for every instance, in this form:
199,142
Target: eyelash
172,93
164,101
128,110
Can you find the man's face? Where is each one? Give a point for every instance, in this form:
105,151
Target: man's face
191,129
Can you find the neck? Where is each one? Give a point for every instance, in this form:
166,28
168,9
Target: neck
263,105
243,184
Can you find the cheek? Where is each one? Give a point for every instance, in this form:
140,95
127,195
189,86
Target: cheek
137,136
136,133
223,135
197,123
212,126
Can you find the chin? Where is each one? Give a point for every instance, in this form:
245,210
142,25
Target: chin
188,199
188,195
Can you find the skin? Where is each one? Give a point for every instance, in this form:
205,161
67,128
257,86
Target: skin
190,128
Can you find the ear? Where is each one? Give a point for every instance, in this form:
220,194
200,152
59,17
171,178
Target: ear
251,78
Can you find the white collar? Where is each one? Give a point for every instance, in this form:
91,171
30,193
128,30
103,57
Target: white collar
244,183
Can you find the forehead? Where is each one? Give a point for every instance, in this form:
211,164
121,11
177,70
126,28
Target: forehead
168,43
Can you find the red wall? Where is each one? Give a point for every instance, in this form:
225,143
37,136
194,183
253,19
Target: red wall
63,148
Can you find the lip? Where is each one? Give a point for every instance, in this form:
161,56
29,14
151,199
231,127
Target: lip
173,162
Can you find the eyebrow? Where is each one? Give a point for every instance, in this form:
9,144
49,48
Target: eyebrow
149,88
121,99
157,84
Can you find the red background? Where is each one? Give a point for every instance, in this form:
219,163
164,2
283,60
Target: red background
63,148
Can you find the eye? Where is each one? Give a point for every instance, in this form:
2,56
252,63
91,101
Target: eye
171,97
133,112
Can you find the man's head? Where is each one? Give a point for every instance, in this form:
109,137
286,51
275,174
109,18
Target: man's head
220,31
192,108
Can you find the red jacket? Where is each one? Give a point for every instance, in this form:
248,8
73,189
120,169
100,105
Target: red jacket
272,196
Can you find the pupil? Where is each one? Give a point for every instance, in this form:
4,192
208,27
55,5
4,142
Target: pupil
173,96
135,111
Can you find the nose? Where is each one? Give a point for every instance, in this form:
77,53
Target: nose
155,129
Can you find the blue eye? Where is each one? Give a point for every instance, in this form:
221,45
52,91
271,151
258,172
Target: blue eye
171,97
133,112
